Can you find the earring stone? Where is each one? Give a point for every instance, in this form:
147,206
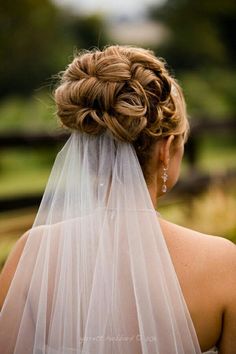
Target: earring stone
164,177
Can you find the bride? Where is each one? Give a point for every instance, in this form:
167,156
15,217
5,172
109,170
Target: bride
101,271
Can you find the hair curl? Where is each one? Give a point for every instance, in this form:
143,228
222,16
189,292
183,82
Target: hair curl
126,90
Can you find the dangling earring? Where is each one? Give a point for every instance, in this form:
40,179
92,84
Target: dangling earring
164,177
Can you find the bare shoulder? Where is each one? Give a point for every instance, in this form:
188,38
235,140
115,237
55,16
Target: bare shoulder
206,263
13,259
10,266
211,258
214,247
15,254
212,261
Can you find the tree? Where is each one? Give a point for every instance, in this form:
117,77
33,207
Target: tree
201,32
36,40
88,31
27,55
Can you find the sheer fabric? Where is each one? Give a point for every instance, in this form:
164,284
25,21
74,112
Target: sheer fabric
95,275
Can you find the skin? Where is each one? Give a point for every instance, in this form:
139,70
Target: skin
205,265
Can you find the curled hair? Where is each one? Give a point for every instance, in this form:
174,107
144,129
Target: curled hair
123,89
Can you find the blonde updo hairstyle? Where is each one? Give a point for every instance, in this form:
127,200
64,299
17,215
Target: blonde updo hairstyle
126,90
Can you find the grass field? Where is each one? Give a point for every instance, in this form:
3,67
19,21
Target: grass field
213,213
24,171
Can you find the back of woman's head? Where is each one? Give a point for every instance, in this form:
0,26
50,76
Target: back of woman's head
125,90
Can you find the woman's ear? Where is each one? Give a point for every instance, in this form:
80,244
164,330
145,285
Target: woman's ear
165,150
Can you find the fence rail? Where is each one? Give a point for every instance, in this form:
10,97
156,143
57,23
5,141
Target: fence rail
11,140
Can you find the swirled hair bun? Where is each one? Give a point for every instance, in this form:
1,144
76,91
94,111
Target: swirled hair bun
125,90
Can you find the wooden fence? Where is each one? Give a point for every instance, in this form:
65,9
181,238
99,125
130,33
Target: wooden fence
192,185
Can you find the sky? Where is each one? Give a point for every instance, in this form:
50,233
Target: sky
128,8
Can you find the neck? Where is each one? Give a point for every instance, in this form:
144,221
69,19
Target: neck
153,194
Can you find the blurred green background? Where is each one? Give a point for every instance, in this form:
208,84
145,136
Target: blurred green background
38,39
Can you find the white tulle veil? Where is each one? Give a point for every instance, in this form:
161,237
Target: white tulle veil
95,275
